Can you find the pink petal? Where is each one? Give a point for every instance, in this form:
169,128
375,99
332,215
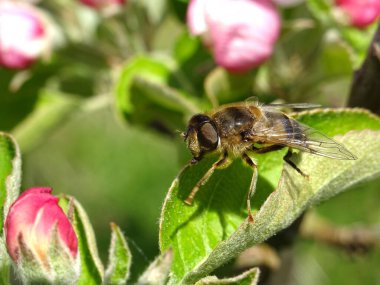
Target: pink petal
23,36
34,215
243,33
196,17
360,12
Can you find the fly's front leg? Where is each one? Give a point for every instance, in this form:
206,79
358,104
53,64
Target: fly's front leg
252,186
223,161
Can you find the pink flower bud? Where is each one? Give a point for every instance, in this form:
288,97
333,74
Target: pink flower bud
240,33
23,34
360,13
33,225
100,4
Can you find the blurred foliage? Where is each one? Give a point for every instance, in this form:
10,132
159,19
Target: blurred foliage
99,120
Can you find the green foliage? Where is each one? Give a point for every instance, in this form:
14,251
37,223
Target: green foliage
355,41
215,230
251,277
223,87
10,179
143,85
10,173
91,268
51,110
119,258
158,271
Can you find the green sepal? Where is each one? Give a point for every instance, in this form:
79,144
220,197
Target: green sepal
158,271
119,258
10,180
91,267
250,277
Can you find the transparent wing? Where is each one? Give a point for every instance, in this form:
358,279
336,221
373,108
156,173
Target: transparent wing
292,106
307,139
255,101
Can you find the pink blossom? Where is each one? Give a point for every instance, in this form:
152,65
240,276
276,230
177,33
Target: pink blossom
100,4
23,34
31,221
361,13
240,33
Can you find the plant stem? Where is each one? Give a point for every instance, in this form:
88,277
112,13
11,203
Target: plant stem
365,88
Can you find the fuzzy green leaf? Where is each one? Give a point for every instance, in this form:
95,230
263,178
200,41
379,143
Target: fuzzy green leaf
10,173
10,179
250,277
119,258
91,268
158,271
214,229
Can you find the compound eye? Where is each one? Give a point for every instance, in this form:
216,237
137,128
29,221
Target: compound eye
208,137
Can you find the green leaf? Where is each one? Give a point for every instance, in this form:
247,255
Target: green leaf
10,173
321,10
119,258
194,62
150,84
250,277
19,92
165,96
224,87
214,229
358,41
339,121
10,179
158,271
91,268
149,68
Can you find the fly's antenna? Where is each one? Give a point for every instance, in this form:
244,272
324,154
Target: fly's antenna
182,134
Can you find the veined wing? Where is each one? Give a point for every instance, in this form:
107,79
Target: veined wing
304,138
292,106
273,106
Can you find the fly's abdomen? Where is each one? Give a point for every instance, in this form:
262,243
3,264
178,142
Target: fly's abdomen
281,125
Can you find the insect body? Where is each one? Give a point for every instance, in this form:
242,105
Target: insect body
237,129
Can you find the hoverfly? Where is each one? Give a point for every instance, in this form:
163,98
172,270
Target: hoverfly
234,130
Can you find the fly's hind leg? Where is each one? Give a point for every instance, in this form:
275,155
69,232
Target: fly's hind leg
252,186
286,157
223,161
292,164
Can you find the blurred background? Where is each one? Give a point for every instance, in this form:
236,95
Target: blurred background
97,92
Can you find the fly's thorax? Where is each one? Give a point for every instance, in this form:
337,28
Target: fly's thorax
233,120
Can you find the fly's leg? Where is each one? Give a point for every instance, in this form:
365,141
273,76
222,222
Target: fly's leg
252,186
286,157
292,164
267,148
223,161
